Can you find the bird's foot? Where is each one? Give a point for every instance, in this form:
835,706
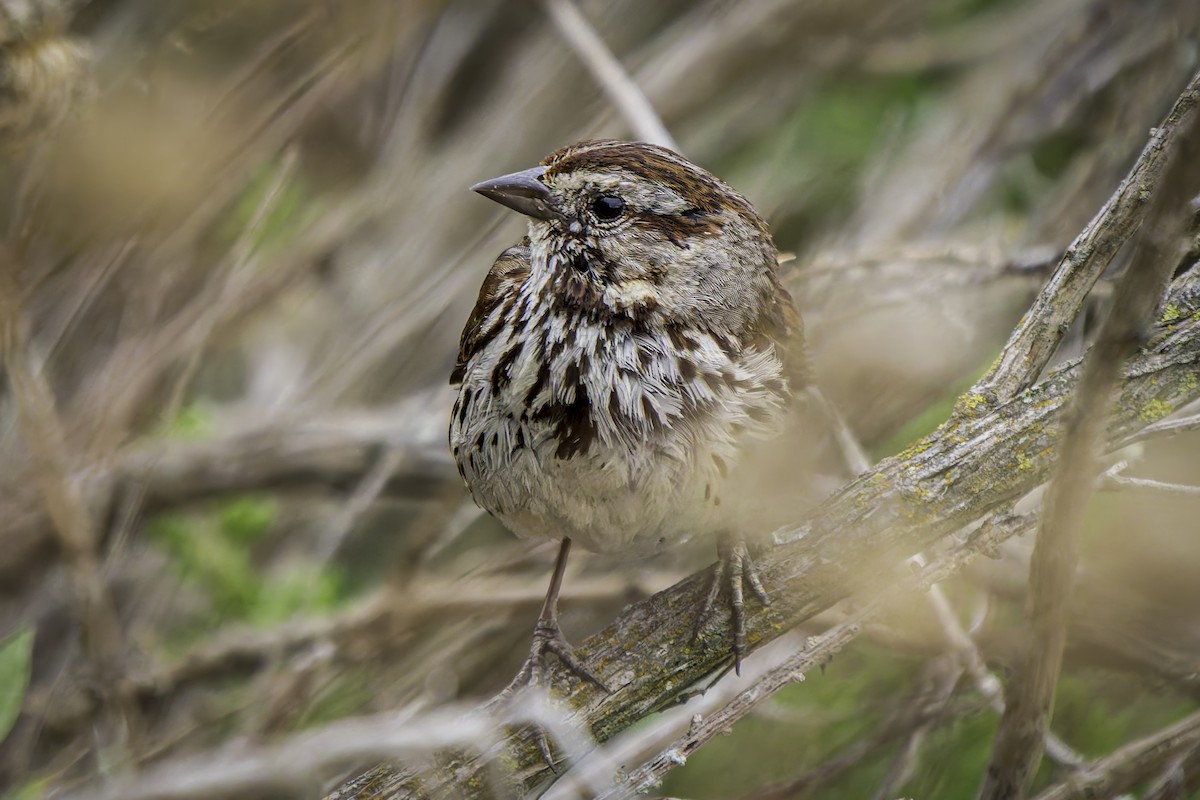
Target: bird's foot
534,675
735,568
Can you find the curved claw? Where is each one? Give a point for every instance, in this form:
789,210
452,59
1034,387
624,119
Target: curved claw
547,638
551,639
735,568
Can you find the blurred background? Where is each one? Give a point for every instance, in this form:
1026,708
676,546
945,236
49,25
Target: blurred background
238,252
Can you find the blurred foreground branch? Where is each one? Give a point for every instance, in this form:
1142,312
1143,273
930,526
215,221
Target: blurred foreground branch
1127,767
332,453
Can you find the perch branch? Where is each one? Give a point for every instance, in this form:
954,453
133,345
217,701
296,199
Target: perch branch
819,650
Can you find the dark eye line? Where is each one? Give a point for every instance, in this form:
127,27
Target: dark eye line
692,214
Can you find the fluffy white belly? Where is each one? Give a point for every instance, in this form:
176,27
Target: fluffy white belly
637,501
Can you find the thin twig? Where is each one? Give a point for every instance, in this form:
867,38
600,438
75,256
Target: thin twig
1033,343
1178,779
1162,429
609,73
365,494
1018,745
1148,485
1125,768
73,525
931,698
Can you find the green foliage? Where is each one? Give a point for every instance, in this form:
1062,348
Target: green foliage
246,519
213,550
287,209
33,790
16,652
193,423
206,556
303,587
347,693
826,143
952,12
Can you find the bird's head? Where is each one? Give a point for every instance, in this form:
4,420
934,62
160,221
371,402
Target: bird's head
638,228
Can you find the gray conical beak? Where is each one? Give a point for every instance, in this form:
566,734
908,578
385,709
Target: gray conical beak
521,191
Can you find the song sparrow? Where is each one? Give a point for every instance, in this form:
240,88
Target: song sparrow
619,362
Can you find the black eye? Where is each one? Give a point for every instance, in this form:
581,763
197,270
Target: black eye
608,207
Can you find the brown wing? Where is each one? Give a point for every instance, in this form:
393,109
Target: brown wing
796,364
779,326
506,275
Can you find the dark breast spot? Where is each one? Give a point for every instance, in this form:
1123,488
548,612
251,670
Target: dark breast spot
539,383
573,426
502,374
462,405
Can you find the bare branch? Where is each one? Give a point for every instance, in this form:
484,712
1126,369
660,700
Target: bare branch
1164,428
1018,746
74,528
333,452
609,73
1034,341
1126,768
1148,485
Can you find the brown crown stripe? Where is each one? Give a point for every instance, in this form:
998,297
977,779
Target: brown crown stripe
657,164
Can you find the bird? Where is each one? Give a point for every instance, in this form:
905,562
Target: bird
620,366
